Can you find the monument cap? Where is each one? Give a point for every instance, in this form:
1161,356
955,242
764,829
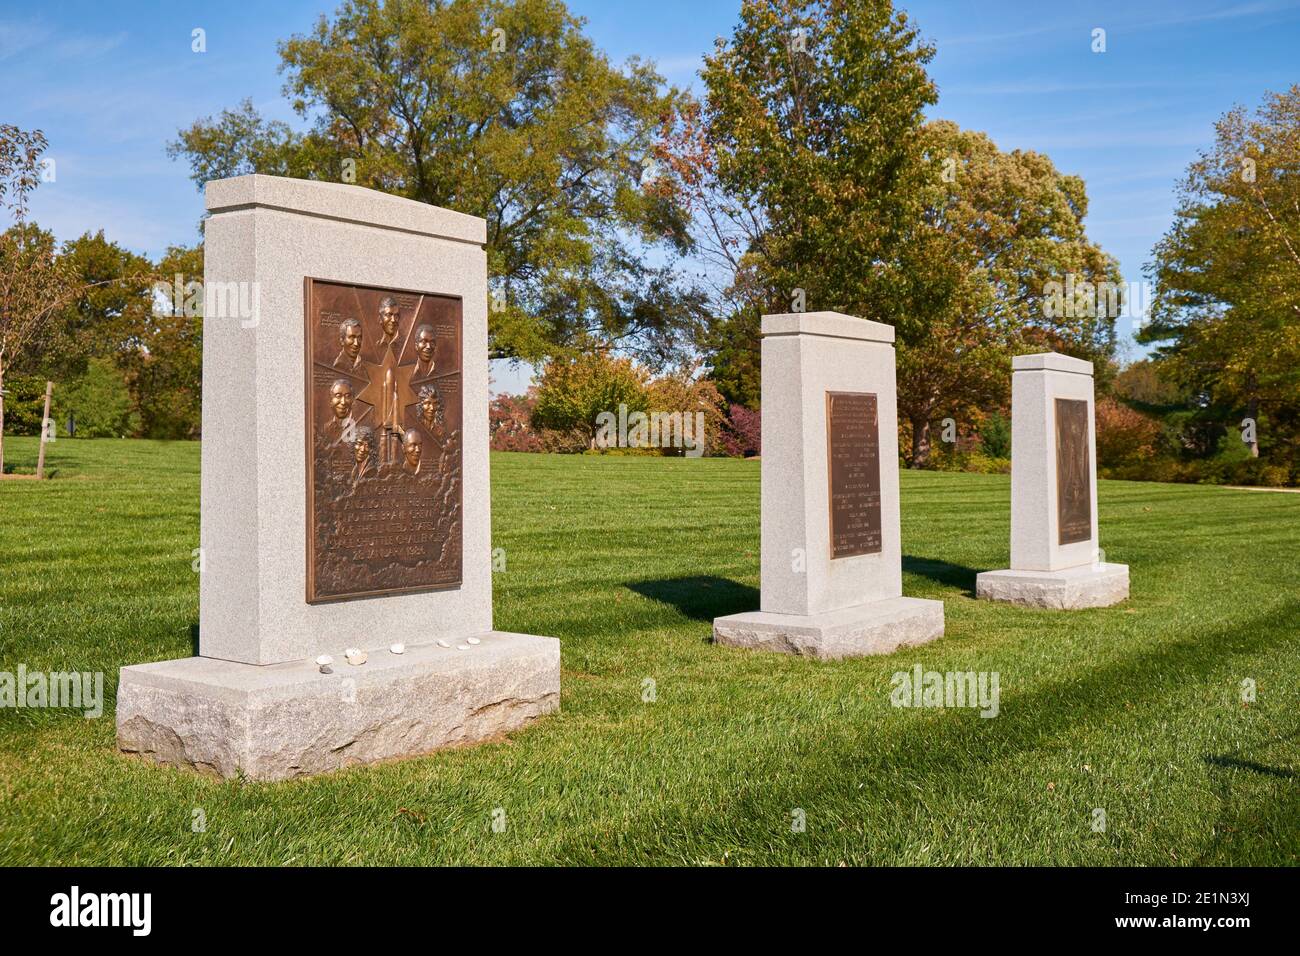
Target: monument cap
1050,361
830,324
343,202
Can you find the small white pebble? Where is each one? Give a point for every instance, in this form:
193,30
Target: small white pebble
442,643
398,648
462,647
324,662
472,640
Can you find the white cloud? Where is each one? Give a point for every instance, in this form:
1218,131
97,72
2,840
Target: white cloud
17,38
21,37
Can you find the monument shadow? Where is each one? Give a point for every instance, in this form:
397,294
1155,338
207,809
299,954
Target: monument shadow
700,597
942,572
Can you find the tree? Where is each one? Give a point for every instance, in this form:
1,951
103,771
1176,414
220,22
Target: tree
730,346
33,282
724,230
813,113
796,169
160,351
1226,311
574,391
815,184
1124,436
742,435
684,390
96,322
510,423
996,231
1143,385
99,401
498,108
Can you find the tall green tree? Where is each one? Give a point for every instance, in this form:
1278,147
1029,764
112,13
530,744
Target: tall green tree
498,108
1225,316
813,112
97,402
996,232
95,323
815,183
796,168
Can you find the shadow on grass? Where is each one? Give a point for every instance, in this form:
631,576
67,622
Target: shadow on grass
957,754
943,572
701,597
1236,763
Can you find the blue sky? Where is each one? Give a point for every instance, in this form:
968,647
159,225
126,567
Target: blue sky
111,83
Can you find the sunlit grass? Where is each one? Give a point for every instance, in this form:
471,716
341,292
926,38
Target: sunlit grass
1135,709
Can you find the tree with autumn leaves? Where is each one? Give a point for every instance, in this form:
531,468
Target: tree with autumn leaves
995,230
814,183
1225,318
502,109
634,221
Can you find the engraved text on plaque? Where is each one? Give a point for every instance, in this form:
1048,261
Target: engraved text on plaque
853,452
1073,472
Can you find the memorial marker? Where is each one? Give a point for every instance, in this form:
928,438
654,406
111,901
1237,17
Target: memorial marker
345,596
831,554
1055,560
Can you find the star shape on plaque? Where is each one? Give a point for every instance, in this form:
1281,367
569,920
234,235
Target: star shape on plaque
388,390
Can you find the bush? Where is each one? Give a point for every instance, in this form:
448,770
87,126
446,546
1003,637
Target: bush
983,464
510,423
1124,436
742,433
573,441
1221,470
575,391
99,402
697,401
24,404
995,436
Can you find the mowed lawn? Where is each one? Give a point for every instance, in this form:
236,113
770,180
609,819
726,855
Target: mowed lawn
1135,710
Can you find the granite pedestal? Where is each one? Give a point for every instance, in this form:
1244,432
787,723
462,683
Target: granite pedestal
1055,558
277,721
829,590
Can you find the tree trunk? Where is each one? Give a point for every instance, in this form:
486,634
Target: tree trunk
920,442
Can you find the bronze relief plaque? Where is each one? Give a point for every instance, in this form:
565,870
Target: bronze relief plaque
1073,472
853,464
383,440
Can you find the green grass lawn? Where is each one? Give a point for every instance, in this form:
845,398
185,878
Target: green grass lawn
1134,709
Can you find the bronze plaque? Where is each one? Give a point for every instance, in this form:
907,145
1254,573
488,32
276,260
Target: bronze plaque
853,459
383,441
1073,472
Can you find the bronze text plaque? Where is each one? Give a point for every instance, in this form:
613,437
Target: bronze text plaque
383,441
853,460
1073,472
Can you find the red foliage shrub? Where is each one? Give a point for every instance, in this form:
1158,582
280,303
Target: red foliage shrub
1124,435
741,433
510,423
